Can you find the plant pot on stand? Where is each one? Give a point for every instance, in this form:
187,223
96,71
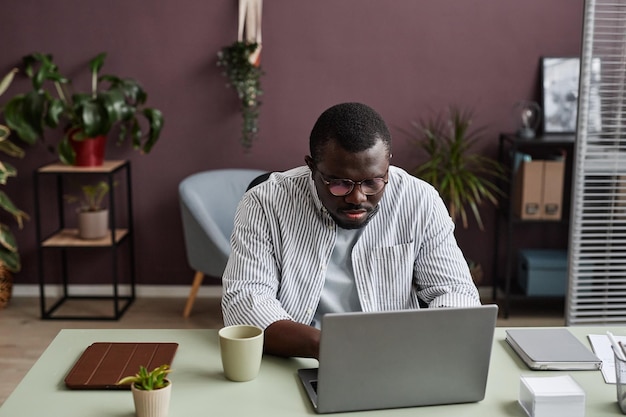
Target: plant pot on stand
89,151
93,224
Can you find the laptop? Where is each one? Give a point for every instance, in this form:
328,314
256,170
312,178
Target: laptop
552,349
407,358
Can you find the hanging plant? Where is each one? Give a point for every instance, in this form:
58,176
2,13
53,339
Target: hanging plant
243,71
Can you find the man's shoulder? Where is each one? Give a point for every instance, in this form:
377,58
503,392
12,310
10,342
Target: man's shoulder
282,183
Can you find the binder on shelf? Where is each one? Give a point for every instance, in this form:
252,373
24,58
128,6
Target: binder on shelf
527,197
538,189
553,174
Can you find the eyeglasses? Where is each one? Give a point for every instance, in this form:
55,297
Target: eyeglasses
343,187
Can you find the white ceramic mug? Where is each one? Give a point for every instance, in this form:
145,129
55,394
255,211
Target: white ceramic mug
241,348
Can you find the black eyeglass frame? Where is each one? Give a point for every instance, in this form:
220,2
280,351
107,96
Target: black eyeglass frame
345,181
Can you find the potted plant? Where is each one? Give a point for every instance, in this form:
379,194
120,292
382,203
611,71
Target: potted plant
151,391
243,70
9,255
465,179
86,118
93,218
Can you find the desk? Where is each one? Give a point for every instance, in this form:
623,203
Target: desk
200,388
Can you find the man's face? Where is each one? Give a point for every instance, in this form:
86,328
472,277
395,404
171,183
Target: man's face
354,209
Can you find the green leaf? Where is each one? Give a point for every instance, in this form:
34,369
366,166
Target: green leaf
16,118
11,260
9,148
155,120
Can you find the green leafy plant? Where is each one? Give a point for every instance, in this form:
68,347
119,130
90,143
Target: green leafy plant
464,178
148,380
245,77
92,196
112,102
9,254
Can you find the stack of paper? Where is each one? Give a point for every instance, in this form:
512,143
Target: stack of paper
551,396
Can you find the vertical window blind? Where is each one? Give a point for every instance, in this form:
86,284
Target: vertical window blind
597,237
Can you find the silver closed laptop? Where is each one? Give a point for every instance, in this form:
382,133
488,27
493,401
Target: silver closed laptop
405,358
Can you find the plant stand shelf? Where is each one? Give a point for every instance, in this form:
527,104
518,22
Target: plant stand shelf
53,235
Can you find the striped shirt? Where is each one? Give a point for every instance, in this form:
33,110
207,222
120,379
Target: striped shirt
283,239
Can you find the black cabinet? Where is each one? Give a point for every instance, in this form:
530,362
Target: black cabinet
53,235
513,233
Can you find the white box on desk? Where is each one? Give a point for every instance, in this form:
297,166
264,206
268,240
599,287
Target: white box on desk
551,396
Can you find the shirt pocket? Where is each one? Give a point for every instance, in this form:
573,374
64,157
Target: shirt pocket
392,275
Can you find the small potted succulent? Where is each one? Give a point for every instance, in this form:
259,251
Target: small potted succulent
151,391
93,218
85,117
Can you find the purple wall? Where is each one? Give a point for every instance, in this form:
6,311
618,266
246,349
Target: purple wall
402,57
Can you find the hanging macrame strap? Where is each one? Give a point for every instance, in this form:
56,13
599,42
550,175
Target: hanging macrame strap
250,12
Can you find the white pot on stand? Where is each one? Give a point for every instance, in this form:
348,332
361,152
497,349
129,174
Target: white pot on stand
93,224
154,403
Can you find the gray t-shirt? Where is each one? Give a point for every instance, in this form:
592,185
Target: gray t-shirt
339,294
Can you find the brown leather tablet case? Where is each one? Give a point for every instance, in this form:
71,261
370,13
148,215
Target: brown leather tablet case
103,364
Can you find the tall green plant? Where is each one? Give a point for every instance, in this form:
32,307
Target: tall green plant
9,254
464,178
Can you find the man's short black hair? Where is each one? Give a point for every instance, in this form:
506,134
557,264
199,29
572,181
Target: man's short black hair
354,126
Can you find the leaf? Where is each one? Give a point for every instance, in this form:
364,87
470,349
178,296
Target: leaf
11,260
155,120
7,80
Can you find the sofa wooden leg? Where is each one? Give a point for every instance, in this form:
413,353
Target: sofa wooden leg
197,281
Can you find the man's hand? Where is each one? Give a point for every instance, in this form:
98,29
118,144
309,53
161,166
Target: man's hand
288,338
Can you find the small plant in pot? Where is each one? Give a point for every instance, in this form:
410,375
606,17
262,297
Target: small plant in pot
151,391
93,218
86,118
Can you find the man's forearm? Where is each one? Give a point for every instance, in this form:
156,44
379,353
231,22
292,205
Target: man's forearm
289,338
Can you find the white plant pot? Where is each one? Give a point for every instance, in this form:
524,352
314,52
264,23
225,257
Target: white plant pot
155,403
93,224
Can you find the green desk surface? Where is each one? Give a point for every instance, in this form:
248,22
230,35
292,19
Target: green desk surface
200,388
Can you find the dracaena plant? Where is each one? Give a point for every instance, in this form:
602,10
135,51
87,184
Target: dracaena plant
9,255
464,178
112,102
148,380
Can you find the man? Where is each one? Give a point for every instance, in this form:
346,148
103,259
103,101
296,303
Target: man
346,232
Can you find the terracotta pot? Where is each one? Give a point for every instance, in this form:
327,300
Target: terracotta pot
93,224
155,403
89,152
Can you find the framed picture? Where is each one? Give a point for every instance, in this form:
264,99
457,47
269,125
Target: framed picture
560,78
